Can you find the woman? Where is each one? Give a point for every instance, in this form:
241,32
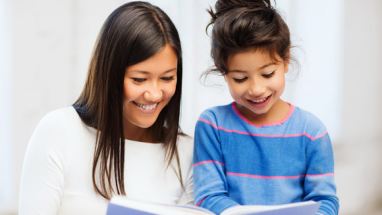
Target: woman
122,135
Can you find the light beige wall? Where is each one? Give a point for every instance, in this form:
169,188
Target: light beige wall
359,160
40,79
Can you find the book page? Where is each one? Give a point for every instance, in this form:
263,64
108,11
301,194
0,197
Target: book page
118,204
299,208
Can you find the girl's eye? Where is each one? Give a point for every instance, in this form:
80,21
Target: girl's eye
269,75
139,80
169,78
240,80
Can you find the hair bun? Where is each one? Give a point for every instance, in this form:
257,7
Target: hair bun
224,5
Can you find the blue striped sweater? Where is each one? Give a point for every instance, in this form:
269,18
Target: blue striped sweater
236,162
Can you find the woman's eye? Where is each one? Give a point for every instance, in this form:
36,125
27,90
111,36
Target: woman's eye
139,80
169,78
269,75
240,80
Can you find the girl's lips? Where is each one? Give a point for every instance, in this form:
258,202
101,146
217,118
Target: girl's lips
259,103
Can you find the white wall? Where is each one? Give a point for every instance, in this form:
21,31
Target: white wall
39,76
5,107
317,34
359,163
45,48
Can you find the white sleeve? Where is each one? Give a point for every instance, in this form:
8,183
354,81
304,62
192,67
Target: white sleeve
187,197
42,179
186,155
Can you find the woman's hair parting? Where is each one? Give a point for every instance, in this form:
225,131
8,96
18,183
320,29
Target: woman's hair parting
131,34
240,25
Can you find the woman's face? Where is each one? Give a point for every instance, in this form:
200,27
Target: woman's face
148,87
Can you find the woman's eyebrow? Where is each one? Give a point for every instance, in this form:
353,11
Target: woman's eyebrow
147,72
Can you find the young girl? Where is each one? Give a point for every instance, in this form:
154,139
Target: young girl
121,136
260,149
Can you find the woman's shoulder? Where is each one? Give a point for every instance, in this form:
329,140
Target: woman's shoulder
185,142
185,146
59,123
62,115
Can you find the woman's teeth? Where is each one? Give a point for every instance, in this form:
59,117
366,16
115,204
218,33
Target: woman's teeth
147,107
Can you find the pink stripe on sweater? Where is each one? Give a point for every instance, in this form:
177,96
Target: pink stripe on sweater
278,176
265,176
320,175
262,135
206,162
201,201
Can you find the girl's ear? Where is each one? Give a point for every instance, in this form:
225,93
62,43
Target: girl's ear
286,66
287,62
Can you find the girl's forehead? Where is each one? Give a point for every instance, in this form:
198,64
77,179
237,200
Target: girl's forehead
252,57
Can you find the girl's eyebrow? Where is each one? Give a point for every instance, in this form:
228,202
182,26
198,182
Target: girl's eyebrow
266,65
237,71
260,68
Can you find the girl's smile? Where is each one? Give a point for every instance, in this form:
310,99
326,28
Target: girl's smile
256,81
260,102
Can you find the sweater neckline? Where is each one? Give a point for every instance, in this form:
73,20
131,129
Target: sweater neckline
275,123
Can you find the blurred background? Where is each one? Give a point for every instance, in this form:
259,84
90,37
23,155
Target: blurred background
45,48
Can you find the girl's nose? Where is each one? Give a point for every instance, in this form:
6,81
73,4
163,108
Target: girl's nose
256,88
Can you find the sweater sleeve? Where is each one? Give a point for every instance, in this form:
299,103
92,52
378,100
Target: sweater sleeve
42,179
210,184
319,182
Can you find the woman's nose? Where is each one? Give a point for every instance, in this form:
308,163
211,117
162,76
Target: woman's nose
154,93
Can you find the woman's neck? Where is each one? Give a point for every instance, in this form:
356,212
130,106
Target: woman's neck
135,133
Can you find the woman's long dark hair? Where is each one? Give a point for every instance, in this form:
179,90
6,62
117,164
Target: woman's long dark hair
132,33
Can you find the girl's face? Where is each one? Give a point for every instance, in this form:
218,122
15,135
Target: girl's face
148,87
256,83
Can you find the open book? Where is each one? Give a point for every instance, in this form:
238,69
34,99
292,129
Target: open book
124,206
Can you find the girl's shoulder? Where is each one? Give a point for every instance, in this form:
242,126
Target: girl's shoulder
216,113
310,123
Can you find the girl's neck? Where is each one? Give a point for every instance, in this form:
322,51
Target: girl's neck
278,113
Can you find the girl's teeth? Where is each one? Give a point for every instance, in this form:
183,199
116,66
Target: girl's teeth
259,100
